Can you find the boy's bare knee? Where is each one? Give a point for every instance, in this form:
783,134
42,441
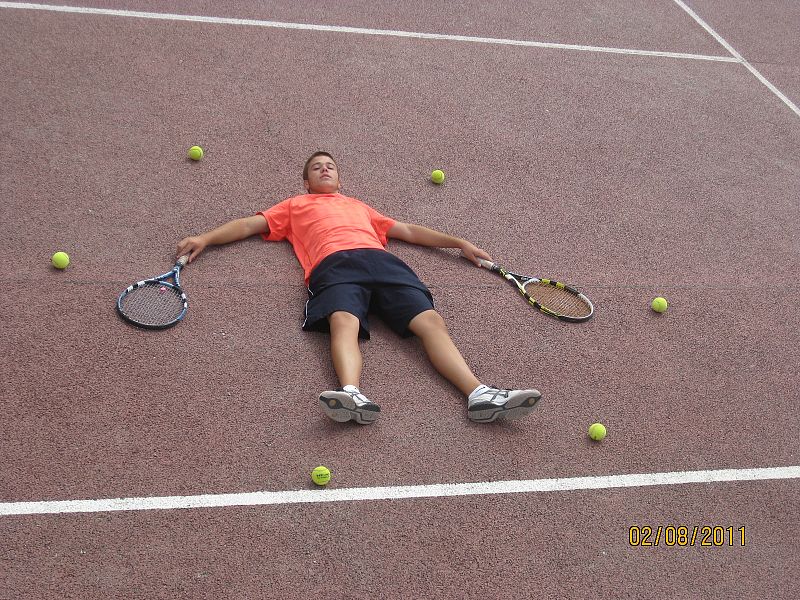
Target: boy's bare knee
341,320
427,321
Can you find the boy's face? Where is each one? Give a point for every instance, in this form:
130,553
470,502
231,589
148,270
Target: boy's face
323,176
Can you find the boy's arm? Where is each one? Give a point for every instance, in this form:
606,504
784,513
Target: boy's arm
231,231
423,236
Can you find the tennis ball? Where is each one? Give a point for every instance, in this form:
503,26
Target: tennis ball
321,475
659,304
437,176
60,260
597,431
195,153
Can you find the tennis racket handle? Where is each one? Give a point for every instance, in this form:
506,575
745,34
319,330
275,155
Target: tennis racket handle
486,264
183,260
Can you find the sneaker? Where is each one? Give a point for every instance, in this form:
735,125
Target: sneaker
493,403
349,403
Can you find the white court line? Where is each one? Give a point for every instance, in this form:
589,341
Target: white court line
739,58
734,58
397,492
357,30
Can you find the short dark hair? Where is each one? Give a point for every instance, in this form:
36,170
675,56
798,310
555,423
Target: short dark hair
312,157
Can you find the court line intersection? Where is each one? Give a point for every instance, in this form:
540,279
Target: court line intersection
356,30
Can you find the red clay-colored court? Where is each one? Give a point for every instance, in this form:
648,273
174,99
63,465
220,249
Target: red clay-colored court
634,149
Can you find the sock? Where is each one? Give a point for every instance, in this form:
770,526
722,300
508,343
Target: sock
351,388
477,391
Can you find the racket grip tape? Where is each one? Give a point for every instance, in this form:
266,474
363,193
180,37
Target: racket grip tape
183,260
486,264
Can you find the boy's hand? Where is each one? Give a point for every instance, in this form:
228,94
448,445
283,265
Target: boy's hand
472,253
192,246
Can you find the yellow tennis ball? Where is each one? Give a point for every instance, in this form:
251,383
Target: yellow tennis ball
659,304
195,153
597,431
437,176
60,260
321,475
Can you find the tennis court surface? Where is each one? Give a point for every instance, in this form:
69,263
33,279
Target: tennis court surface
634,149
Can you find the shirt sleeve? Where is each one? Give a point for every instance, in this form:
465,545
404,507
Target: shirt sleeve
380,223
278,220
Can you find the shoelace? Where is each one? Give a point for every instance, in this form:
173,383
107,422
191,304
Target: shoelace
357,397
495,393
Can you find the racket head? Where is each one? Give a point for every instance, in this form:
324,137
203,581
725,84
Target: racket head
557,299
551,297
153,304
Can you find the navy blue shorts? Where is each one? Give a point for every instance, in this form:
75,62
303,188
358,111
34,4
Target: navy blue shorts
365,281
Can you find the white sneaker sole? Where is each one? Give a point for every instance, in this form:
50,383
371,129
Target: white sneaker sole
512,409
340,407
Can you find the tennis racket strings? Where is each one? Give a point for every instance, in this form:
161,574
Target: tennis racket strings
557,299
153,304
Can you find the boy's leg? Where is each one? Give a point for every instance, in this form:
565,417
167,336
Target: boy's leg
346,355
442,352
348,402
485,404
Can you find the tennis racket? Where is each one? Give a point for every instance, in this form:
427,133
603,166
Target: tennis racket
155,303
553,298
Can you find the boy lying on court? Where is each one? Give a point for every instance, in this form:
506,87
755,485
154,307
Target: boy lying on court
340,242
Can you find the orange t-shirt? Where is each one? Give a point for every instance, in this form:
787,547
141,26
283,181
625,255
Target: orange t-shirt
317,225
